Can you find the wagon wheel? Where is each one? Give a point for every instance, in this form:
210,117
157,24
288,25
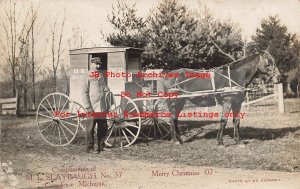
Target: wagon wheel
148,122
124,123
82,118
57,119
156,127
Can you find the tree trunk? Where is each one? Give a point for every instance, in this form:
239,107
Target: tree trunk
32,68
14,83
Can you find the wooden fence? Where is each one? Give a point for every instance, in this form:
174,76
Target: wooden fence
270,94
265,97
9,106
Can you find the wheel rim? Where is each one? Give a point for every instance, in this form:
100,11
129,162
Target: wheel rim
148,122
82,119
55,126
123,129
162,126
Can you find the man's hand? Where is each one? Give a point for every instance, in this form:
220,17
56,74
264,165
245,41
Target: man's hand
106,89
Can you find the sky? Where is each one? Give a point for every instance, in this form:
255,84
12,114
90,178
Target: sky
91,15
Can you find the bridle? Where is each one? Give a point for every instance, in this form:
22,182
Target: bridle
263,67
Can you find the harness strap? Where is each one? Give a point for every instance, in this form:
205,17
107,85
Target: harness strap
229,80
213,83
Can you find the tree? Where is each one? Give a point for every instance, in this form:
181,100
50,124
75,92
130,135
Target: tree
36,58
222,38
10,42
129,28
294,74
228,44
172,38
23,70
77,41
275,37
21,59
179,38
57,49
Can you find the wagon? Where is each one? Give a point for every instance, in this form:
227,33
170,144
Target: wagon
136,108
59,117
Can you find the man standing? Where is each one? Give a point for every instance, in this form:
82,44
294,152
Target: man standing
93,95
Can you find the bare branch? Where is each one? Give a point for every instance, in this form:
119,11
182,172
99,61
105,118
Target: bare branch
222,51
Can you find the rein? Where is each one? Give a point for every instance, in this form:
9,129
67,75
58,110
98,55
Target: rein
176,85
273,70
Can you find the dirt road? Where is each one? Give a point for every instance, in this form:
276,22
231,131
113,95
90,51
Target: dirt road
269,157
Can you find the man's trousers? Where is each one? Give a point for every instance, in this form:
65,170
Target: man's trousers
101,133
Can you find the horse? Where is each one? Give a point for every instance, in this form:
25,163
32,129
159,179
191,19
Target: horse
235,75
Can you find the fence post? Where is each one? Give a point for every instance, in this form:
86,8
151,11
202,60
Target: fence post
247,99
280,98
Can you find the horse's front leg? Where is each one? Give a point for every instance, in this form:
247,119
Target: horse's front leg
172,118
223,122
172,128
174,109
236,121
177,130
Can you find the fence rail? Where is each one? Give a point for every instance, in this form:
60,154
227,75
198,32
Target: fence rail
265,95
9,106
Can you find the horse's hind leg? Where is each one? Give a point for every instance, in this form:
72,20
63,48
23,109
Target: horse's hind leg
175,107
223,122
171,105
179,106
177,132
236,121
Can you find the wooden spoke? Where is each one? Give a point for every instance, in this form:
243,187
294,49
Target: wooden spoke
67,128
157,127
132,125
111,130
50,106
131,118
50,132
59,135
65,104
115,137
64,134
122,123
46,109
59,102
163,126
70,117
154,129
119,132
131,110
46,121
54,133
54,102
149,130
146,120
129,131
46,127
68,123
45,116
125,136
156,123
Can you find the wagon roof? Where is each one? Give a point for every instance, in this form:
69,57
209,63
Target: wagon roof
104,50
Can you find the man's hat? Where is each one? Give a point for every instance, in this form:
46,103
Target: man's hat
96,60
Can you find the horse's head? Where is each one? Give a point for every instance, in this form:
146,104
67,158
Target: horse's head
268,66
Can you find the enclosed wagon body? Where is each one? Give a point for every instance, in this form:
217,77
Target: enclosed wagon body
115,60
